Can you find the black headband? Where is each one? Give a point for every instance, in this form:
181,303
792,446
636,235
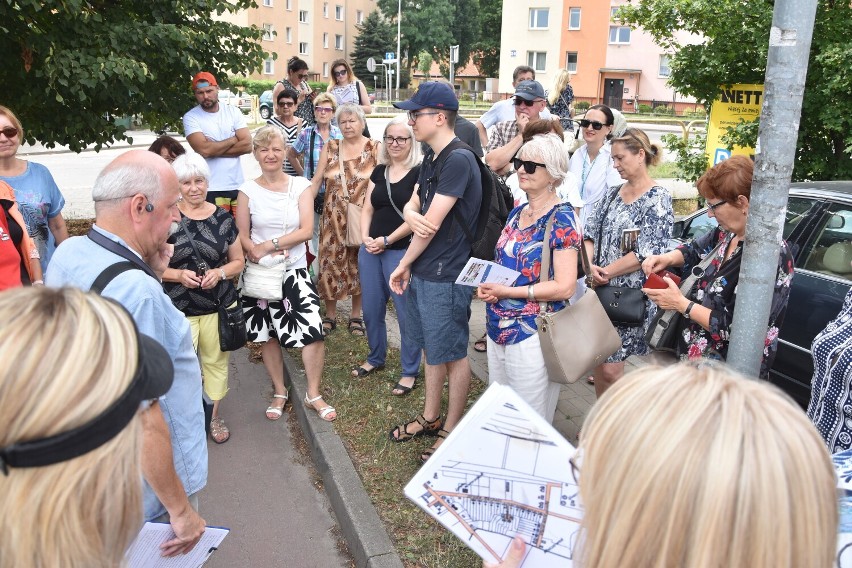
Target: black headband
153,378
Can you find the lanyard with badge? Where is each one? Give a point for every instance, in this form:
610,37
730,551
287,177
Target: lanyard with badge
585,174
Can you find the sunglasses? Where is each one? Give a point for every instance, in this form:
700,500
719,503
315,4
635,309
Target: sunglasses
340,72
528,166
9,132
593,123
303,76
397,140
286,104
324,109
519,101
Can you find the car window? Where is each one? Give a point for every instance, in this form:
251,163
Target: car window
831,252
797,210
698,226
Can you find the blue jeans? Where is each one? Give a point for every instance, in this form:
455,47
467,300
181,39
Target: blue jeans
375,271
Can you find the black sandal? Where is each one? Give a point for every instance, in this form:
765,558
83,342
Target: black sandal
428,428
360,372
401,387
442,435
356,327
481,345
328,325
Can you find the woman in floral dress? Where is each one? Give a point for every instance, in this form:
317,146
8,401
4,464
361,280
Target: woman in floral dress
709,310
631,222
338,263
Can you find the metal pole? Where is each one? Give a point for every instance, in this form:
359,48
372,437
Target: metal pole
786,70
398,54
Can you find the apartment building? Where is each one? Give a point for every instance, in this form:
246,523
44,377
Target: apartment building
318,31
610,62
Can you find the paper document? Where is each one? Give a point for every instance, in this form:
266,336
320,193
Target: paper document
477,271
145,550
502,472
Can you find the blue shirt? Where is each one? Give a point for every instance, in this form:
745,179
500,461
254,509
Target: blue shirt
304,140
39,200
77,262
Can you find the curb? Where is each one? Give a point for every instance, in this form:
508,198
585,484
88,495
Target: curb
365,534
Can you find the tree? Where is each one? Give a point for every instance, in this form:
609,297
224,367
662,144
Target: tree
734,50
376,36
486,51
424,64
69,67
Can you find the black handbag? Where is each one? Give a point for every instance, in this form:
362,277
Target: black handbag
232,323
624,306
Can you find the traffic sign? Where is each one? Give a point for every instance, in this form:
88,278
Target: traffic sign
389,55
371,65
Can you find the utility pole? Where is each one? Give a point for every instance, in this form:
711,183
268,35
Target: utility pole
398,50
786,70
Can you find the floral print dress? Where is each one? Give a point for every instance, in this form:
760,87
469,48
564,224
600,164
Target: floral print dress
717,290
650,218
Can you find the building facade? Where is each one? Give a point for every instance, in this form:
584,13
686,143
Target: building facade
318,31
610,62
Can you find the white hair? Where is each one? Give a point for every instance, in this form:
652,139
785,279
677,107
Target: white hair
188,166
351,108
123,181
550,150
414,154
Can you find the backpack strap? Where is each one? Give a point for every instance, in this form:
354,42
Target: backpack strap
311,150
358,90
109,273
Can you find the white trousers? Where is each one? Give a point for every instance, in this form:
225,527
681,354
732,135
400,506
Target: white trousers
521,366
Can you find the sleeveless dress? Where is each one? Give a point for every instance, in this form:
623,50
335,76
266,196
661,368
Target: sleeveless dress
338,264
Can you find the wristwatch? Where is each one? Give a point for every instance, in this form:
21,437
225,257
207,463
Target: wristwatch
688,309
386,241
275,243
222,273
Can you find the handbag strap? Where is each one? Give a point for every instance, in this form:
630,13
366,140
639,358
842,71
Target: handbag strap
390,197
600,225
547,255
195,252
698,271
311,150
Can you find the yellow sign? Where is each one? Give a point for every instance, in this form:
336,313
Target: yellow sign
737,103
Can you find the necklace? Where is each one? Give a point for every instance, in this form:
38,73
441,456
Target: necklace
532,212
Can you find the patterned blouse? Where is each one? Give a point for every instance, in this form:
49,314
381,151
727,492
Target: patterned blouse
560,108
305,110
717,290
830,408
512,320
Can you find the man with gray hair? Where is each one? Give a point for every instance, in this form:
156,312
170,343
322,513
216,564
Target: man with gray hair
123,257
502,111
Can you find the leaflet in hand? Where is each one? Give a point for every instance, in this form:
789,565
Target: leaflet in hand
145,550
503,471
477,271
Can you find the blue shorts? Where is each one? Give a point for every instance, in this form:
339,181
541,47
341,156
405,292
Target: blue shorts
438,313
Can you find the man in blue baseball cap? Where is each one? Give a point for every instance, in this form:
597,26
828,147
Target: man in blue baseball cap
506,137
449,194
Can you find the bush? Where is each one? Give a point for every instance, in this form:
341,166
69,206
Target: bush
664,111
645,109
582,106
251,86
696,113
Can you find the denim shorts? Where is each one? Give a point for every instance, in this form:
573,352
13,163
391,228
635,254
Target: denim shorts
438,314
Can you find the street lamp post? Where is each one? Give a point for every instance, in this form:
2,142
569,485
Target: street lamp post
398,52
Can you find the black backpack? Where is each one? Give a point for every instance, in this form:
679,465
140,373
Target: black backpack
497,202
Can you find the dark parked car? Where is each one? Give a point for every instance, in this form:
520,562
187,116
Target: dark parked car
818,227
265,105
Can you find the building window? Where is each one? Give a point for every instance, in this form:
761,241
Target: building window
574,18
325,9
338,42
303,16
571,61
613,14
338,12
359,17
303,48
325,40
267,3
325,69
289,5
619,34
664,66
537,60
538,18
268,33
269,67
288,34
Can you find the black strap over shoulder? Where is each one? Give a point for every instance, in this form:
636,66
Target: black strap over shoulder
109,273
438,164
121,251
311,150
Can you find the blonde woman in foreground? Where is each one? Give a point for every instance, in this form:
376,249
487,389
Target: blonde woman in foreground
70,480
696,466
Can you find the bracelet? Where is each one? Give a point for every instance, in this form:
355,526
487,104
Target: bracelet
386,241
222,272
688,309
530,292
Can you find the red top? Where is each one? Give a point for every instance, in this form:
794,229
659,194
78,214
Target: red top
10,258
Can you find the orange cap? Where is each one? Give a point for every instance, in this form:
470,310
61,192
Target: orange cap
204,77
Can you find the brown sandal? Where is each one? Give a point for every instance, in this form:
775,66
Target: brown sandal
427,428
442,435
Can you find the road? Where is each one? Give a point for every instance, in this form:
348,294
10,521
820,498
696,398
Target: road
75,173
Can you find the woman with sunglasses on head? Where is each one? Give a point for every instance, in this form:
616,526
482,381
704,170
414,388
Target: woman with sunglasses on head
39,200
514,352
346,88
709,310
297,80
345,167
290,124
629,224
386,236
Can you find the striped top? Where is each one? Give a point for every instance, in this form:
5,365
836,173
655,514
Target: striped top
290,134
